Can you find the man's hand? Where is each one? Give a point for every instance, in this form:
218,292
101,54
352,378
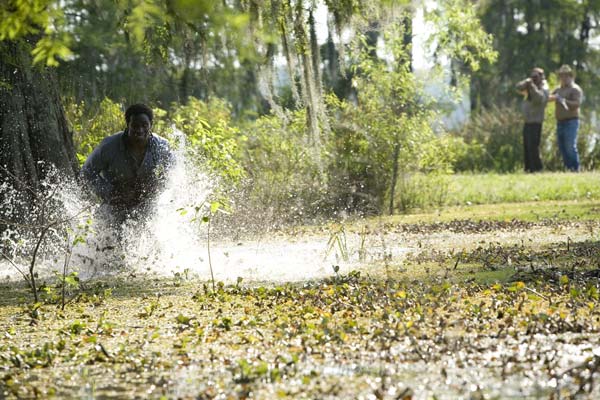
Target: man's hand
562,101
524,85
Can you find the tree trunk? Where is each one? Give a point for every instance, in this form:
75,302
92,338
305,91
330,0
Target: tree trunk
33,127
310,95
584,36
371,38
394,175
332,72
407,41
315,51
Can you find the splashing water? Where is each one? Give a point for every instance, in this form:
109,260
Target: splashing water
171,239
174,240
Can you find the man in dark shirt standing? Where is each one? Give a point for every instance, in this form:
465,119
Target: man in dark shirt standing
128,169
536,94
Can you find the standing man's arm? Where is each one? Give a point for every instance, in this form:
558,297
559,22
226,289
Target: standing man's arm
568,104
575,99
538,95
91,171
523,85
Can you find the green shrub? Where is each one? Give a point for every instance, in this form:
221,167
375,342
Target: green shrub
494,141
284,171
363,148
91,125
211,138
467,156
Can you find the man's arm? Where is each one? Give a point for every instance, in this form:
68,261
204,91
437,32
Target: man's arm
575,100
568,104
538,95
166,155
91,171
522,86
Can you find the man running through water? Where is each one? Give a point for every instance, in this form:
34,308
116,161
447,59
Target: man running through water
128,169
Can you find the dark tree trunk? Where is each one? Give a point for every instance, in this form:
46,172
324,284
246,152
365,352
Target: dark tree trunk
332,72
407,38
584,36
407,41
33,127
184,84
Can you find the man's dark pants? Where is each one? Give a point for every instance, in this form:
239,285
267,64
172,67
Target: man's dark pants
532,134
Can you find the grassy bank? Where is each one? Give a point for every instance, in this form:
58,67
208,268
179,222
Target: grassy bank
560,210
430,192
510,188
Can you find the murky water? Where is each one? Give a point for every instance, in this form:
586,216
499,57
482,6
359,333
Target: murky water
507,368
173,239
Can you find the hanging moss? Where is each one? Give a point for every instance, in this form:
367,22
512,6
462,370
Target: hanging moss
309,94
314,49
342,12
290,55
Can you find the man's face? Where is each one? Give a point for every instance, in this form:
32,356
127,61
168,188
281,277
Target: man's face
536,77
139,127
565,79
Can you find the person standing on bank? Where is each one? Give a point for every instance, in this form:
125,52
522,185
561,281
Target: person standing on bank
535,90
128,169
568,98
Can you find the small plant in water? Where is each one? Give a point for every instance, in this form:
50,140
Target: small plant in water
337,241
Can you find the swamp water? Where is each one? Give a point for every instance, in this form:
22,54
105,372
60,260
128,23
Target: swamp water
174,240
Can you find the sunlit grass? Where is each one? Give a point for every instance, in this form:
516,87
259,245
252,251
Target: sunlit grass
527,211
509,188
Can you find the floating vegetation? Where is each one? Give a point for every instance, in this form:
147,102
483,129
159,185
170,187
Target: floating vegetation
529,333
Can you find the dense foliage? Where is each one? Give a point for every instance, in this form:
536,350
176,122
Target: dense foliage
297,124
321,148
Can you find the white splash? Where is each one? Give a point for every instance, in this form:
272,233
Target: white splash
175,240
171,239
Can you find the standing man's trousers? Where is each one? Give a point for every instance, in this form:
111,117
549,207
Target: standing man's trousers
566,135
532,134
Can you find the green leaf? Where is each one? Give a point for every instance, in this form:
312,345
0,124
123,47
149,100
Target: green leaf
214,207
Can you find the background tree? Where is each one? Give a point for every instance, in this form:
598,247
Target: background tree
34,132
545,33
167,52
